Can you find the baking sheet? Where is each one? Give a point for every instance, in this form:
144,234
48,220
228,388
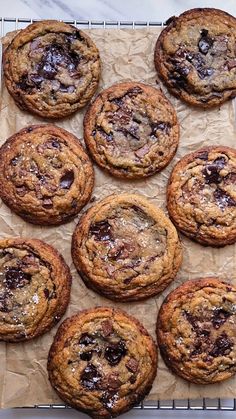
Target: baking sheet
126,55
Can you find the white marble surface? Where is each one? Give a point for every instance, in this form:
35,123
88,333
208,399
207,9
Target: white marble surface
106,9
125,10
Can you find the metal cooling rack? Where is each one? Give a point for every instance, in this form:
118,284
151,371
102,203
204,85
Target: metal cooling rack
11,24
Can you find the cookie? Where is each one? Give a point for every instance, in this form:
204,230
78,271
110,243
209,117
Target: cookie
195,56
196,331
131,130
126,249
45,175
51,69
102,362
201,195
35,287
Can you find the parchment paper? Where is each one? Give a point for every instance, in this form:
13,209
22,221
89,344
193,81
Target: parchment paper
126,55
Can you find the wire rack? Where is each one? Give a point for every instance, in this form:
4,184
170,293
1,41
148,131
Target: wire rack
11,24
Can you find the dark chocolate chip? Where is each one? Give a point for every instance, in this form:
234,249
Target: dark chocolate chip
4,306
160,126
222,346
203,155
90,377
15,160
219,317
205,72
211,171
47,203
108,399
16,278
108,137
24,84
21,190
86,356
132,365
67,179
36,79
114,352
101,230
46,293
205,42
223,199
107,328
134,91
86,339
198,348
133,378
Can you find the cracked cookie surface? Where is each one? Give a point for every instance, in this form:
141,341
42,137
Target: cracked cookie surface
51,69
195,56
102,362
201,195
196,331
125,248
45,175
34,288
131,130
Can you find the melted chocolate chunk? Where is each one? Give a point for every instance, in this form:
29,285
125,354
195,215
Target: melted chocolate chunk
211,171
53,143
205,42
219,317
21,190
16,278
101,230
222,346
47,203
90,377
132,131
36,79
86,356
200,65
203,155
67,179
223,199
46,293
161,126
54,56
86,339
24,83
114,352
108,399
132,365
107,328
108,137
198,348
15,160
4,303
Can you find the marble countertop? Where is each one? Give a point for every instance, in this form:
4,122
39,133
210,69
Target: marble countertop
124,10
144,10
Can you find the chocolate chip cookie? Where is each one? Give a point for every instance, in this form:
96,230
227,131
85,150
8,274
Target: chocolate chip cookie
34,288
102,362
51,69
201,195
195,56
131,130
45,175
196,331
126,249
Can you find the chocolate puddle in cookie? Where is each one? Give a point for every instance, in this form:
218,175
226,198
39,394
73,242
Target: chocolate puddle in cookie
129,241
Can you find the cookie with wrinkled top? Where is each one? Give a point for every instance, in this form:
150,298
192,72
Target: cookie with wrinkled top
131,130
196,331
51,68
102,362
195,56
45,175
201,195
126,249
35,287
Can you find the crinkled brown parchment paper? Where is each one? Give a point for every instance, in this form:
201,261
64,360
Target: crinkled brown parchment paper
126,55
